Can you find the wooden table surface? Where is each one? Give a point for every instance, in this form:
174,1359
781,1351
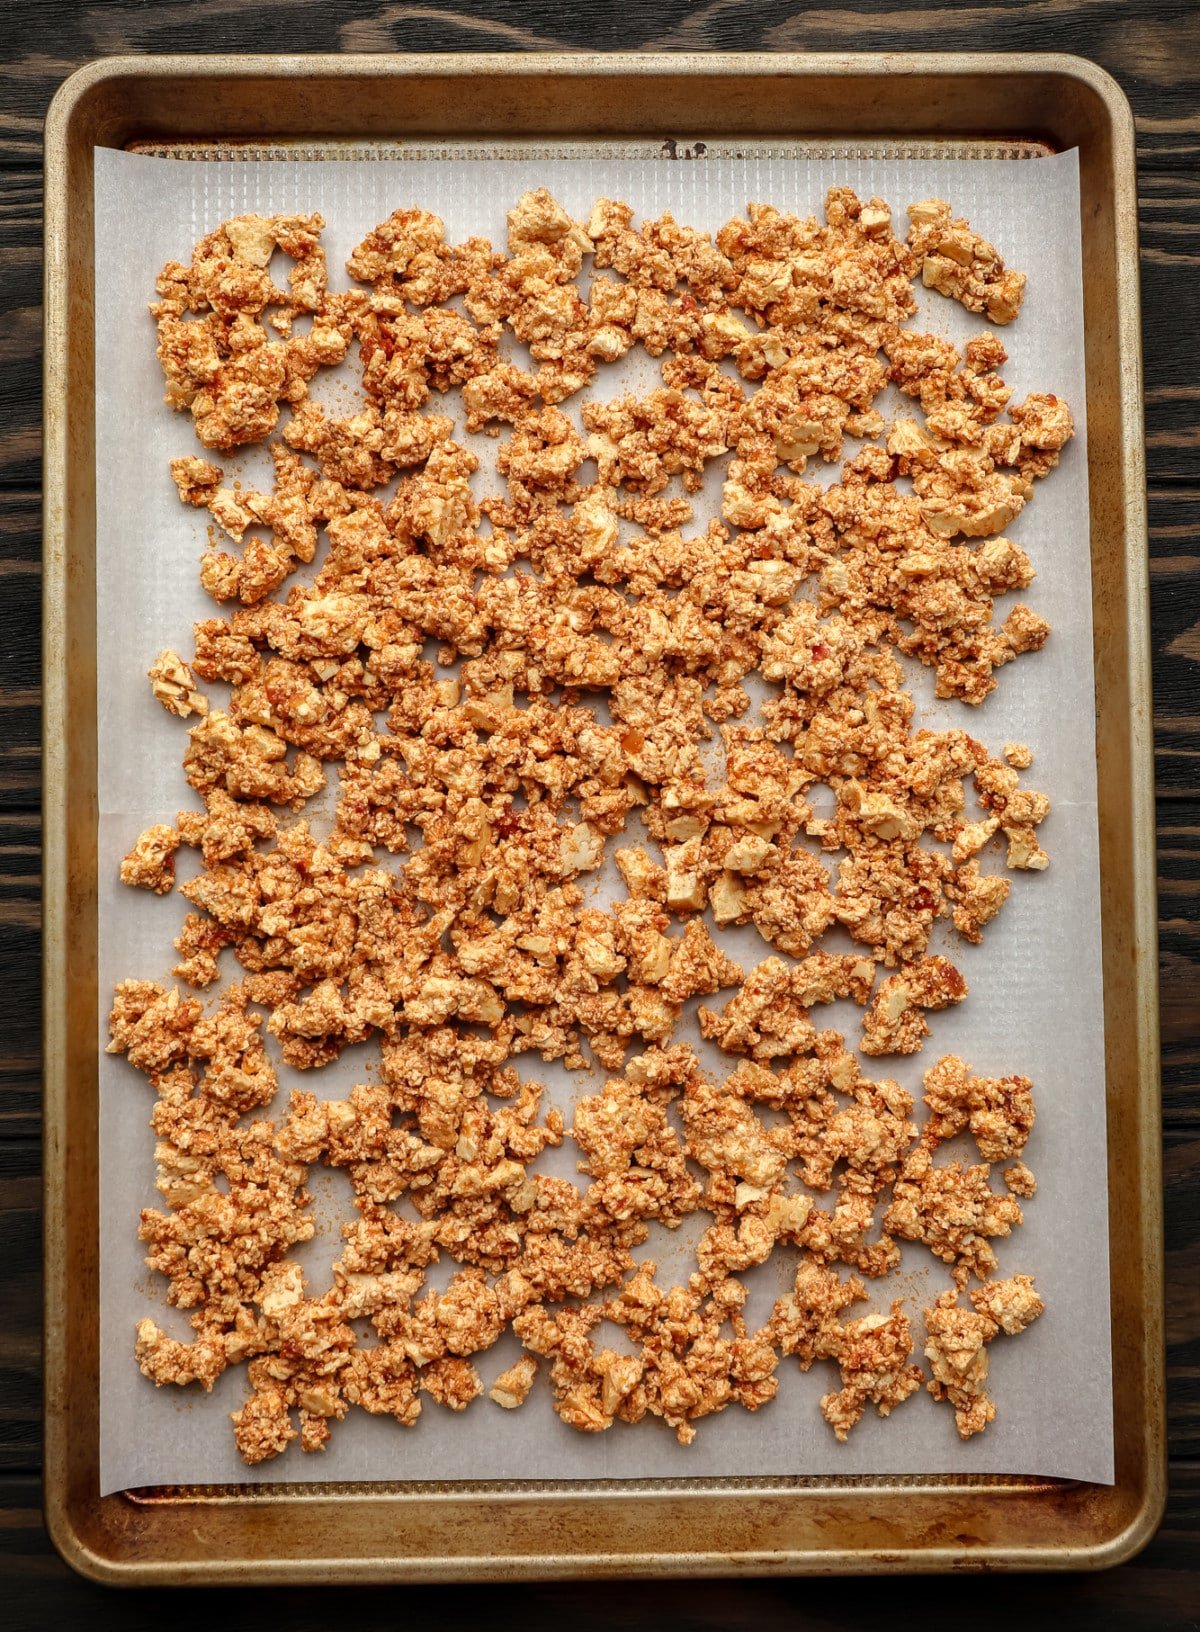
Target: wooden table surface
1153,48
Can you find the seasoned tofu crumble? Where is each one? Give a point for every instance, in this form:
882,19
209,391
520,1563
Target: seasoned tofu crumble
594,630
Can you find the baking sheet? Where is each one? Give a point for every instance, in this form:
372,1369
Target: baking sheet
1036,1002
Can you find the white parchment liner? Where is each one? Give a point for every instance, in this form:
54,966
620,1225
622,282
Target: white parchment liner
1035,1004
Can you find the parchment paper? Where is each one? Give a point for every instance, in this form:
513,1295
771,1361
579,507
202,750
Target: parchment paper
1035,1003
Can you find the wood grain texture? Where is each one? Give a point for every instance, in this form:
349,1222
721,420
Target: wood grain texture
1153,48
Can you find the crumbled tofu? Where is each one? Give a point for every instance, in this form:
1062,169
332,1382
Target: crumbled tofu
1020,1180
895,1023
997,1110
173,683
959,263
606,639
217,356
873,1358
150,865
511,1388
957,1339
953,1211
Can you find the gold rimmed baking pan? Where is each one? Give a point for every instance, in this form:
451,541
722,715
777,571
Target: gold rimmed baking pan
314,107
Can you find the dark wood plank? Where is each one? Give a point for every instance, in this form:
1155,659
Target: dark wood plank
20,1334
1153,48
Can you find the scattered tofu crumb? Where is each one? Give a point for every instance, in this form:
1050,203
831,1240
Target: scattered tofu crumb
173,683
511,1388
957,1339
150,865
